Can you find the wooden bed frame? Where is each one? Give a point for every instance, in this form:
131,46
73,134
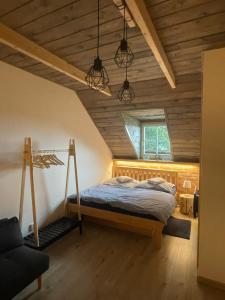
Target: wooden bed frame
139,225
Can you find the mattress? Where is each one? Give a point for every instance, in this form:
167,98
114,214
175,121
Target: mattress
144,203
72,199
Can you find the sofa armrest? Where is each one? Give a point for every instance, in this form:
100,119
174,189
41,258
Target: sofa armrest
10,235
3,220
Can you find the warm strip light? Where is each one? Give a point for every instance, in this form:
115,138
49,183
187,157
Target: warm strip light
156,165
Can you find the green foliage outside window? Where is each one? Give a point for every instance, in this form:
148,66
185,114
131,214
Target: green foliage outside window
156,140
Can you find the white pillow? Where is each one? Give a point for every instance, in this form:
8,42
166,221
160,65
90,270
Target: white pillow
125,182
144,184
124,179
156,180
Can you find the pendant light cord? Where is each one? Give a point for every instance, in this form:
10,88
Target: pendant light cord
124,20
125,29
98,30
126,72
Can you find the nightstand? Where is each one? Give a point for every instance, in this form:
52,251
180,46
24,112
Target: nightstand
186,204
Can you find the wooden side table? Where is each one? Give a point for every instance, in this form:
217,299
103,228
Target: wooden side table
186,204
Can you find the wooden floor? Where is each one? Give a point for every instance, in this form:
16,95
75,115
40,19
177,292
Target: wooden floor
108,264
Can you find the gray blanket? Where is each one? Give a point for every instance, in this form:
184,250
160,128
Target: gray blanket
144,201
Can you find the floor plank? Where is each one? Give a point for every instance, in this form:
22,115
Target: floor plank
108,264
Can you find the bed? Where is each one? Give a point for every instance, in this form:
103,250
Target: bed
132,208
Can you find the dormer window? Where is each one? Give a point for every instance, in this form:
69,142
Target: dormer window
148,133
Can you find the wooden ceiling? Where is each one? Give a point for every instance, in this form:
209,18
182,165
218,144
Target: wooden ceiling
67,28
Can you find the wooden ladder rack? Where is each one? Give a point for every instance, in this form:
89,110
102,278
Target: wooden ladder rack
28,161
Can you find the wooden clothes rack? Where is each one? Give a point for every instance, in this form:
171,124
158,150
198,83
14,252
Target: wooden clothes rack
28,158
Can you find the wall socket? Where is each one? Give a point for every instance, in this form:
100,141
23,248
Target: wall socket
31,227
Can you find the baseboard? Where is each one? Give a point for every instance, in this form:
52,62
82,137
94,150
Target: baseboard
210,282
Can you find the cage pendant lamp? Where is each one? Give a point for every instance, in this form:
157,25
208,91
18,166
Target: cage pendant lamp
126,93
124,56
97,77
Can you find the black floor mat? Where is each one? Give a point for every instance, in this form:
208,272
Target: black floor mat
178,227
52,232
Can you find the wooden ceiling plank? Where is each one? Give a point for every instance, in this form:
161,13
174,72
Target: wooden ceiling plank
155,2
34,10
53,35
69,38
86,35
172,7
39,18
195,29
120,6
7,6
190,14
170,103
144,101
31,49
143,20
85,22
172,110
189,105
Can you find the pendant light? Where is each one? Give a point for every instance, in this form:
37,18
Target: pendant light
124,56
97,77
126,92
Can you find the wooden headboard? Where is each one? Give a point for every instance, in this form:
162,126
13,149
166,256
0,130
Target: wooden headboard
143,174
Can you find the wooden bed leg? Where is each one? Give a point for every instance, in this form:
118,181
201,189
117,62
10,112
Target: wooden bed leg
39,282
157,239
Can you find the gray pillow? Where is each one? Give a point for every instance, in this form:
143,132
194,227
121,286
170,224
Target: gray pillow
124,179
144,184
165,186
10,235
156,180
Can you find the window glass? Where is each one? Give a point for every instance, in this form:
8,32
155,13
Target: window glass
156,142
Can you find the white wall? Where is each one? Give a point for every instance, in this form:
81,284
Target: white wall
50,114
212,182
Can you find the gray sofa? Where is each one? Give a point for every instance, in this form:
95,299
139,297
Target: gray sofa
19,265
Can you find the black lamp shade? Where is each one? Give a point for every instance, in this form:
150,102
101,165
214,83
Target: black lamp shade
126,93
124,56
97,77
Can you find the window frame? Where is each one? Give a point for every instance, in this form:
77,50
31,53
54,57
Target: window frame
158,156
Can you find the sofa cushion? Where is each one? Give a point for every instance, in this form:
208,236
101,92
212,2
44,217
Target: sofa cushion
10,234
18,268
